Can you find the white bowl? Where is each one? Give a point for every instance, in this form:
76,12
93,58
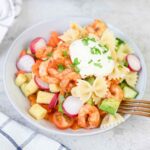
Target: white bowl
43,29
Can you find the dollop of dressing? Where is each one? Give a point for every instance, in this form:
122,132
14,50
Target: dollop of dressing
91,58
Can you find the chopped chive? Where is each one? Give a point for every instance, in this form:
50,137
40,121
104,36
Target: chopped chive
90,61
77,70
50,54
109,57
76,61
86,40
92,39
105,49
119,42
60,68
65,54
98,65
95,51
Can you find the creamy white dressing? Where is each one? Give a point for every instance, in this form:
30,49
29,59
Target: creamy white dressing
99,64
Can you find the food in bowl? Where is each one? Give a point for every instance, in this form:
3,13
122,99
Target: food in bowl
79,78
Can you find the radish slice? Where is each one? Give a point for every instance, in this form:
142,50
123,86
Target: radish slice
133,63
72,106
25,63
54,101
41,84
37,43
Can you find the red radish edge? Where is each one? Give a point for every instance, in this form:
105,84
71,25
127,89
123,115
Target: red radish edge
74,103
70,115
41,84
54,101
130,65
25,70
34,43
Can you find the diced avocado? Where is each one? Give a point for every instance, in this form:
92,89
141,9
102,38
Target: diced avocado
44,97
37,111
29,88
129,92
20,79
110,105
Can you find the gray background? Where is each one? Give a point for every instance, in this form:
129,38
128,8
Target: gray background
133,18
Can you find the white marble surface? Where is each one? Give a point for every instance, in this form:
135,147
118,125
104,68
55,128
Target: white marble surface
133,18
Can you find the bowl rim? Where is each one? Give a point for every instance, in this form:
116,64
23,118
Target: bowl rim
42,128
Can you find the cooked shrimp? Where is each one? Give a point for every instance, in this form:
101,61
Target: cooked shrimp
116,92
53,68
89,117
35,67
97,27
59,51
43,73
69,81
44,53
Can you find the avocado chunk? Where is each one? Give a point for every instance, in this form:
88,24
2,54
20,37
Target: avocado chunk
110,105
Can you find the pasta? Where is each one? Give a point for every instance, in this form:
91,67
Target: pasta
122,52
75,32
111,120
131,78
108,39
96,91
100,87
119,72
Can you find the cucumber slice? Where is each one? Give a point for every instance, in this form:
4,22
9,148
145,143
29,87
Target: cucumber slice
129,92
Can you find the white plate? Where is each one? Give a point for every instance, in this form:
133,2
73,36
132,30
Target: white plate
43,29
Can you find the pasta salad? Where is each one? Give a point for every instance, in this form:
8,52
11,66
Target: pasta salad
77,79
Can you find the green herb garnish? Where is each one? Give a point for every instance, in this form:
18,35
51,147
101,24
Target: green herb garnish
76,69
86,40
65,54
98,65
109,57
50,54
89,62
60,68
76,62
119,42
95,51
74,65
105,49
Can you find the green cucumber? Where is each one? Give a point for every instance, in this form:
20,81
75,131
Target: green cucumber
129,92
